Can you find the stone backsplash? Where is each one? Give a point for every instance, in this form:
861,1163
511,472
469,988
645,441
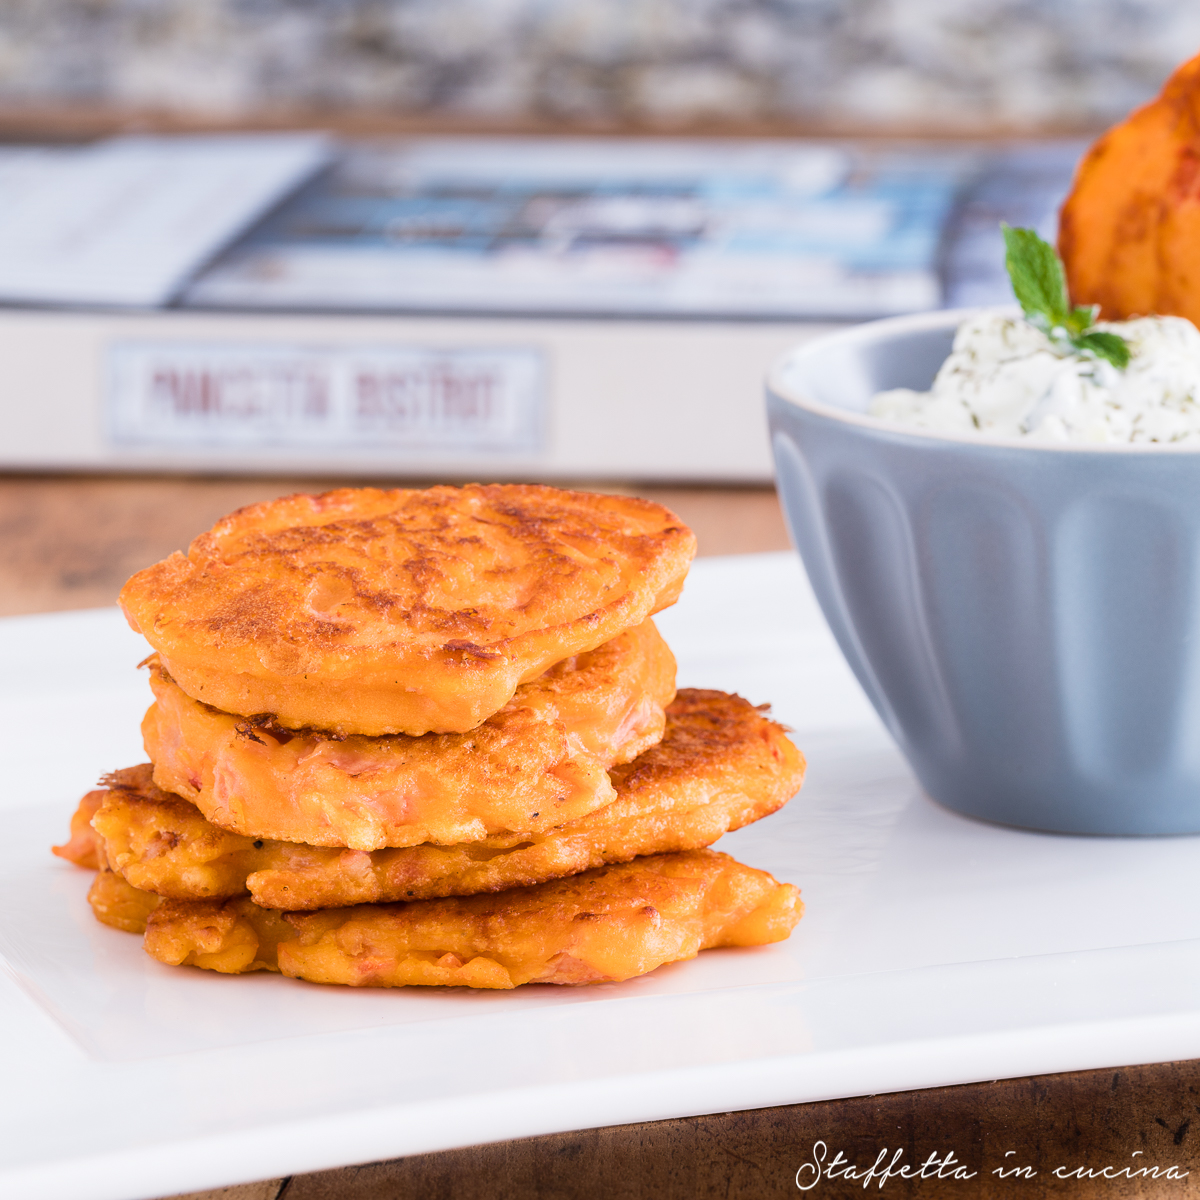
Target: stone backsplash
958,65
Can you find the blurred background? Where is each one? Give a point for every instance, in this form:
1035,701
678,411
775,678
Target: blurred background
949,66
817,162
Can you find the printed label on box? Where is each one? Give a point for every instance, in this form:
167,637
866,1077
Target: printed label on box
346,398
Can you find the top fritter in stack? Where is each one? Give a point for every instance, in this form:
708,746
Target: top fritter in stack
432,737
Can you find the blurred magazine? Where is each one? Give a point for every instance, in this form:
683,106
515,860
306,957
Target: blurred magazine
598,227
259,303
128,221
768,230
1021,182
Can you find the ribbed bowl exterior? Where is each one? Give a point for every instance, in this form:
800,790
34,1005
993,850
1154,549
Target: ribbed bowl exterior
1026,621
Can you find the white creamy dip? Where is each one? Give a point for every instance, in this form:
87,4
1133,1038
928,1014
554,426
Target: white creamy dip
1006,378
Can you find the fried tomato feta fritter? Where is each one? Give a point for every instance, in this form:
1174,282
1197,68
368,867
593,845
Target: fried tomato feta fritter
373,612
83,847
601,926
537,763
117,903
721,765
1127,231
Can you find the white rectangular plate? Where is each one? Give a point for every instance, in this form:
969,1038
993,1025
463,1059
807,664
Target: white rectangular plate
935,950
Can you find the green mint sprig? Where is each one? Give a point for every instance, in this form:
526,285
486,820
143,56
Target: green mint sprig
1041,289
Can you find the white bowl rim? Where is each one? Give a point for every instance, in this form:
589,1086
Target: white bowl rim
868,331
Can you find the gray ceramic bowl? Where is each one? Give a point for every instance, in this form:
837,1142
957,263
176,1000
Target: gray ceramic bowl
1025,618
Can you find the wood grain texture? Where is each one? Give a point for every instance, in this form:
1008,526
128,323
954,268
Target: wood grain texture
266,1189
62,120
1091,1119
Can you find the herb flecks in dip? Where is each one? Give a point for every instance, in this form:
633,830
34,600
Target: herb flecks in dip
1007,378
1053,374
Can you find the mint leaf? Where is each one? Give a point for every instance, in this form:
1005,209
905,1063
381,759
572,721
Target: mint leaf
1080,319
1037,277
1040,285
1104,345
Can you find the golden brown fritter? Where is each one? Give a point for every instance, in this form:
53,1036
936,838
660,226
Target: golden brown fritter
604,925
118,903
83,847
538,762
721,765
1129,231
374,612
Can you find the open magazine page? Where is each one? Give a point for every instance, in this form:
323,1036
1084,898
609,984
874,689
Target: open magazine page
128,221
1021,182
767,229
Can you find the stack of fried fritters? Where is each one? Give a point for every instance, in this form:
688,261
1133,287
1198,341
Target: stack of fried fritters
432,737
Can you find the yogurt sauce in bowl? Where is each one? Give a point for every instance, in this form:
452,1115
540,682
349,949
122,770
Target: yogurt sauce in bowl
1022,608
1006,378
1010,561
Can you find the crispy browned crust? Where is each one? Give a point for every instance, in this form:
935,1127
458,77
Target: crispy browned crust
117,903
721,765
539,762
601,926
377,612
83,847
1129,232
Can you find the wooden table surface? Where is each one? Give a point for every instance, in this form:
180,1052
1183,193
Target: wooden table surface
70,542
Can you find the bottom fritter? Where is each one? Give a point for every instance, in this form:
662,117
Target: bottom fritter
603,925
